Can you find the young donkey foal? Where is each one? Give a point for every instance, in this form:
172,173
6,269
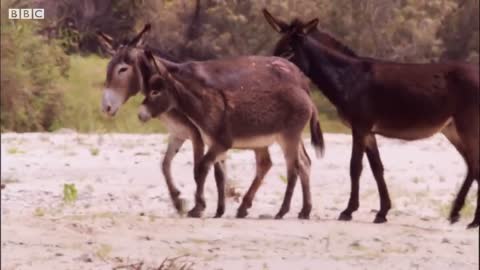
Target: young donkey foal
404,101
244,103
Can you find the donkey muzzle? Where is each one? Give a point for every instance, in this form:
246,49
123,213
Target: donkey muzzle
144,114
111,101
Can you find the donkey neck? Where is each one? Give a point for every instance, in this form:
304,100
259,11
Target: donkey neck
334,73
196,101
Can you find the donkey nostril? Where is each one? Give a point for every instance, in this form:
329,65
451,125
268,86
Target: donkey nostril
108,109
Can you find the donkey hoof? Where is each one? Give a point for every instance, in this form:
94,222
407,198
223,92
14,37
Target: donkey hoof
179,205
219,213
474,224
194,213
345,217
279,215
303,215
379,219
241,213
454,218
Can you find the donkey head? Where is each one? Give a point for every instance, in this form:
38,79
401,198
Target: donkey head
125,71
158,98
293,36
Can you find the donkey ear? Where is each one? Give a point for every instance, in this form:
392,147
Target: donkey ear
139,40
156,83
310,26
106,42
277,24
151,58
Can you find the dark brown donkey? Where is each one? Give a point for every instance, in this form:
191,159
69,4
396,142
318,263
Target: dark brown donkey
404,101
244,103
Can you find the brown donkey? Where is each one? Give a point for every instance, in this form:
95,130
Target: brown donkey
404,101
125,78
244,103
128,73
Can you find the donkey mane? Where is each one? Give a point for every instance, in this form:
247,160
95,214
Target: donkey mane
323,37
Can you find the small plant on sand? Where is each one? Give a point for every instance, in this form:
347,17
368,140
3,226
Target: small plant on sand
103,251
9,180
39,212
15,150
468,209
70,193
94,151
283,178
178,263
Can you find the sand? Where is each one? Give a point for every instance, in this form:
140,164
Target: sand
123,214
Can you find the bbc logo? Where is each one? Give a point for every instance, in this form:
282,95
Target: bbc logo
26,13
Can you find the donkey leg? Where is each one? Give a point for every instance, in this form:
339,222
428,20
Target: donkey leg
358,148
200,174
459,201
475,169
373,156
173,145
220,177
464,135
263,163
290,151
304,172
450,132
476,220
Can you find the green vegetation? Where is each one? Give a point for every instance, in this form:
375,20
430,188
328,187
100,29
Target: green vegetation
32,68
103,251
94,151
39,212
15,150
283,178
70,193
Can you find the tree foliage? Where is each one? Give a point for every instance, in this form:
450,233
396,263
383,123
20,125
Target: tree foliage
403,30
31,69
33,61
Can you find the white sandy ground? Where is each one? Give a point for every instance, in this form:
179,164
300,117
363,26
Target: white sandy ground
123,214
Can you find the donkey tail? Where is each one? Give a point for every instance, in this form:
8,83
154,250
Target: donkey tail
316,133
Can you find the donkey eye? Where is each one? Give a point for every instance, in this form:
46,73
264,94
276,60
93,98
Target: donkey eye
154,93
122,69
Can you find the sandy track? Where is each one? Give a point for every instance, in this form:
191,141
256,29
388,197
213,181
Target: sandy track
123,214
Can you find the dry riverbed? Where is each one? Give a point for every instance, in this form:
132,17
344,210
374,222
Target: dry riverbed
122,214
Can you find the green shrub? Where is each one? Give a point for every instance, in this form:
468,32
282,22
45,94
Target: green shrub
31,68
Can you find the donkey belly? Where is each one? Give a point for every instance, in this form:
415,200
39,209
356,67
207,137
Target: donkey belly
414,132
255,141
250,142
